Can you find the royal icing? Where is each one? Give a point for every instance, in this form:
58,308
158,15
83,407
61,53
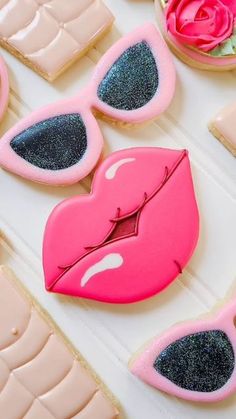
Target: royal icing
195,360
51,34
37,370
60,144
131,236
204,31
4,88
223,127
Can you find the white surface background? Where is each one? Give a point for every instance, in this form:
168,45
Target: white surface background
107,335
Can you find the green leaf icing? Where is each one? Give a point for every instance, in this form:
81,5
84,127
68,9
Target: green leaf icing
228,47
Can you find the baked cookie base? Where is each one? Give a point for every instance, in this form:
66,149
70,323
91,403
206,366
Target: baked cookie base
217,134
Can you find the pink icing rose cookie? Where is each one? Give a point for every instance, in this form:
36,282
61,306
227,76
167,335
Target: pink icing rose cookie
201,32
131,236
194,360
60,144
4,88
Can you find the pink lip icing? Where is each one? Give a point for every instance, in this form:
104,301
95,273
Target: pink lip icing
131,236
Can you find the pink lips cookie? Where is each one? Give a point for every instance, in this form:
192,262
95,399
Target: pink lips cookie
194,360
4,87
60,144
131,236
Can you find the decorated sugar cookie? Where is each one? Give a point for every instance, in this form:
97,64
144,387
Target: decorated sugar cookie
131,236
61,143
202,33
4,88
193,360
223,127
41,375
48,36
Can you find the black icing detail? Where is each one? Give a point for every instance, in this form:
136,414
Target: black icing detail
133,79
53,144
202,362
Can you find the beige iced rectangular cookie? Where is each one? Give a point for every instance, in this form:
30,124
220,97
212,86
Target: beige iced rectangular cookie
49,35
223,127
41,375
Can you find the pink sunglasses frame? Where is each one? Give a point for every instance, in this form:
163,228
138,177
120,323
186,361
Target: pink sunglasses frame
142,366
87,101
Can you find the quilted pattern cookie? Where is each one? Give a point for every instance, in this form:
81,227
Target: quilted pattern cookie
223,127
41,376
49,35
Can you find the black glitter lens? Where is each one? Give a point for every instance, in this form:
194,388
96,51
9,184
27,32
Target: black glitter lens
53,144
132,81
201,362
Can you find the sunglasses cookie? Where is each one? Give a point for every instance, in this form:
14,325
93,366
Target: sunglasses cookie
48,36
223,127
194,360
4,88
131,236
61,143
202,33
41,375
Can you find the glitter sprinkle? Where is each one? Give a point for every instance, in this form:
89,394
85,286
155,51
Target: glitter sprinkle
201,362
54,144
132,81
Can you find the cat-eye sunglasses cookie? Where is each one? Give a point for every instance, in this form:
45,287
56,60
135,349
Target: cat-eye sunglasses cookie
61,143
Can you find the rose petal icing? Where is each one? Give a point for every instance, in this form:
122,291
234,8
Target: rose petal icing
202,24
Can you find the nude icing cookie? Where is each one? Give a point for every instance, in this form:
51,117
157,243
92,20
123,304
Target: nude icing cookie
49,36
4,88
61,143
194,360
131,236
223,127
201,32
41,376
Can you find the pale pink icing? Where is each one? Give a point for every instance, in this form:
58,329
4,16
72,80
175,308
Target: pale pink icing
23,399
37,370
4,88
37,410
25,347
4,374
97,404
81,259
76,379
39,37
142,366
50,34
12,19
225,123
18,316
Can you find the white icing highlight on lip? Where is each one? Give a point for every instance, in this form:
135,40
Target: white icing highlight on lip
111,172
111,261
